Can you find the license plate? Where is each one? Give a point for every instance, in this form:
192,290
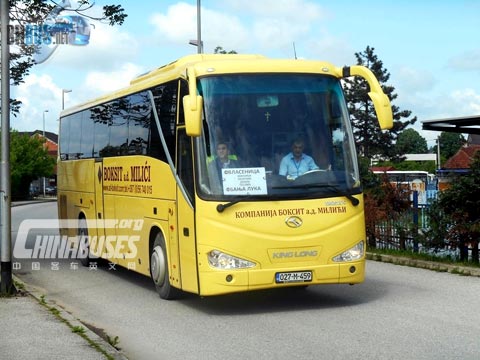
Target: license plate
291,277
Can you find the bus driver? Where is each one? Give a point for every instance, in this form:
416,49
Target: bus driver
296,163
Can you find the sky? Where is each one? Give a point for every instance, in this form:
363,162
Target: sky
431,49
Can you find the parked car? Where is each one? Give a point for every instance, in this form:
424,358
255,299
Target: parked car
51,190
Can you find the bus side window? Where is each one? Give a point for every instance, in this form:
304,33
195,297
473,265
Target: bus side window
165,98
155,148
185,162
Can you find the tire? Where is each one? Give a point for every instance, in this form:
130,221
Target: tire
81,232
159,270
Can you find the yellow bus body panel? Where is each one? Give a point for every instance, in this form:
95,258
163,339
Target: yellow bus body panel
257,231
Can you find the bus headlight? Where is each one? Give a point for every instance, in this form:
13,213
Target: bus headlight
352,254
223,261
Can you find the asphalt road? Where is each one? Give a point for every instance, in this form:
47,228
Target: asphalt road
398,313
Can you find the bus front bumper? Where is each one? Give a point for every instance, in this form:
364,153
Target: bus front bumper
216,282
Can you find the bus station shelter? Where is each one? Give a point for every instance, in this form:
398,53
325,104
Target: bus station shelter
465,125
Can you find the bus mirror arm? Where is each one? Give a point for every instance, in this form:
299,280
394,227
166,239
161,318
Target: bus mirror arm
383,109
192,106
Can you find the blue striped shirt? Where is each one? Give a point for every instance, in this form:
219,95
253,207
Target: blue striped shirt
291,168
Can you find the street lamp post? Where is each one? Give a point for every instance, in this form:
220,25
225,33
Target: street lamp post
45,142
199,30
64,91
198,42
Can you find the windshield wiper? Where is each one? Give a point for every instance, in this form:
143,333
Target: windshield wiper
337,190
221,207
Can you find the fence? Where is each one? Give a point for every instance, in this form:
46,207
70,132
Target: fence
405,232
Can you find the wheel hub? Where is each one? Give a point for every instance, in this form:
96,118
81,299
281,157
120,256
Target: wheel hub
157,266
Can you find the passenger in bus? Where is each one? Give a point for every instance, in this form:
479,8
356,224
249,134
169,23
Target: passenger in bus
296,163
223,160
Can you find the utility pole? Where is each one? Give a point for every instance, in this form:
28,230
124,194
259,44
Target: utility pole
198,42
45,147
199,29
6,283
64,91
438,153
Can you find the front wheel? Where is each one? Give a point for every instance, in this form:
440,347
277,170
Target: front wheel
159,270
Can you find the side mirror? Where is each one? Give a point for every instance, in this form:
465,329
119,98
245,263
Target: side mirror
383,109
192,107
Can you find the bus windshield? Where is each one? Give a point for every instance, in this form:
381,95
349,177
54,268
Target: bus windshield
275,136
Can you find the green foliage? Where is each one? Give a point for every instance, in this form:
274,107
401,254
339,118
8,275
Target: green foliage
428,166
114,14
369,179
450,143
220,50
454,216
370,139
78,329
383,203
113,341
29,160
410,141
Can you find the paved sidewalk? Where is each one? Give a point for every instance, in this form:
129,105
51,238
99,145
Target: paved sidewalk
33,328
424,264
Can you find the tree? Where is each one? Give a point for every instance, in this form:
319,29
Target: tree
384,203
371,141
220,50
29,160
410,141
450,143
24,12
455,213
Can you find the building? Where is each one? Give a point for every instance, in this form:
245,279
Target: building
51,141
459,163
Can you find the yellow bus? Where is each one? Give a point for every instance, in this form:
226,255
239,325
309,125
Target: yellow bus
135,175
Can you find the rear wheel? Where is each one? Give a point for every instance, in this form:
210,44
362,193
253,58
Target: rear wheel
159,270
83,243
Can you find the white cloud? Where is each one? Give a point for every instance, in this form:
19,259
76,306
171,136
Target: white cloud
467,61
179,26
328,48
295,11
37,93
277,24
109,47
466,102
99,82
40,92
413,80
253,27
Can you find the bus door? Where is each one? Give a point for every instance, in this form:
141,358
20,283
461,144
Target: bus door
186,214
99,245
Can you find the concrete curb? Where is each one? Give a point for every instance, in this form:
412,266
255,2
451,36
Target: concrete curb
108,350
423,264
33,201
